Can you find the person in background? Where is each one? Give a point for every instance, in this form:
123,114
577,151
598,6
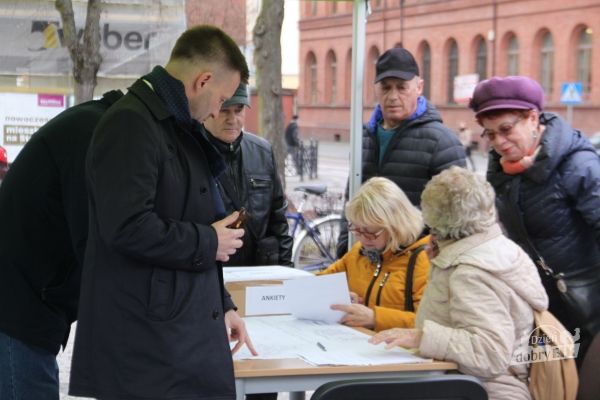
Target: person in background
3,163
478,307
464,135
43,232
251,181
154,316
547,179
405,140
386,268
293,142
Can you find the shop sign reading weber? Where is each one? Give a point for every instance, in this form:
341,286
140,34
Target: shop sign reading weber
135,36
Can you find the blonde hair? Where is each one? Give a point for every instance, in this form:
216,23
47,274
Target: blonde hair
458,203
380,202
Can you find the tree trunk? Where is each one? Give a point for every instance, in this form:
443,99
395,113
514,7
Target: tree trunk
85,55
267,57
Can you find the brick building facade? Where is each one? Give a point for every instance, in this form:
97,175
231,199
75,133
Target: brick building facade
552,41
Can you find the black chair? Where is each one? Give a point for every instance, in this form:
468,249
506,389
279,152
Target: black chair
445,387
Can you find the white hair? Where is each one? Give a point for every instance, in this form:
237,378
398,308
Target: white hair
458,203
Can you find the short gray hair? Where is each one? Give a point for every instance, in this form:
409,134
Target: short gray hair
458,203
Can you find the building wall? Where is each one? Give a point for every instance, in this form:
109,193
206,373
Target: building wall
229,15
326,34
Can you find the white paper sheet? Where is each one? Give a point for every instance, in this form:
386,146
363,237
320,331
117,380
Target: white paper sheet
277,337
269,272
311,297
265,300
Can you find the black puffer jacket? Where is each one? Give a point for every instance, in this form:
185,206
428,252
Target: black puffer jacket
251,181
420,148
559,200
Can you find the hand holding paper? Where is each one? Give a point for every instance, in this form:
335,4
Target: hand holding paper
356,315
311,297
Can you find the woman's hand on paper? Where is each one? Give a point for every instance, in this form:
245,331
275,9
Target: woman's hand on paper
407,338
356,315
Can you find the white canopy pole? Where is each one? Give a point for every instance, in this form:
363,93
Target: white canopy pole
359,22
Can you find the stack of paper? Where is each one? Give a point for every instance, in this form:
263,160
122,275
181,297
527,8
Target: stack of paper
318,343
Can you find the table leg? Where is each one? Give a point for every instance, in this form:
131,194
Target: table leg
297,395
240,390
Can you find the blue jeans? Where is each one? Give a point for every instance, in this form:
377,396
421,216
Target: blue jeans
26,372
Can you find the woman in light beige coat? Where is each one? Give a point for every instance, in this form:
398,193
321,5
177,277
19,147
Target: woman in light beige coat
477,309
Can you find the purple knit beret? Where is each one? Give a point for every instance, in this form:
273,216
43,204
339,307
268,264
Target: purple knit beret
511,93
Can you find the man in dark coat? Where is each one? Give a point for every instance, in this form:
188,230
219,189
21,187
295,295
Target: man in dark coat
405,139
251,181
154,315
43,231
293,142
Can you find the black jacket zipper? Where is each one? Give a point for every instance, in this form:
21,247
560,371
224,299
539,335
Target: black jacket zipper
383,281
375,275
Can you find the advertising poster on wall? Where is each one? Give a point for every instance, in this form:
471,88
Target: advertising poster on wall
22,114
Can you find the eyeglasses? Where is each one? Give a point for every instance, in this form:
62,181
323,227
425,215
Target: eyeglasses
367,235
504,129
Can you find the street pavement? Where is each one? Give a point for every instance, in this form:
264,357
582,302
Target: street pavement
334,166
332,170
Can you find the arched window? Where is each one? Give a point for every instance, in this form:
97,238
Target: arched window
348,77
370,75
331,78
481,59
584,59
546,63
426,69
311,67
452,70
512,62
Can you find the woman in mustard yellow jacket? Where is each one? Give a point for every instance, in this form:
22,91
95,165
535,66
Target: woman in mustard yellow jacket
387,262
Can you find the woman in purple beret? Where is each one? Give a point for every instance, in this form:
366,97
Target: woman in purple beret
547,180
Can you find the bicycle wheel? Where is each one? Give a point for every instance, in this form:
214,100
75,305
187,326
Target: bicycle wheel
317,251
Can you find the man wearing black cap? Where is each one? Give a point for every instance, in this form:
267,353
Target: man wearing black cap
405,139
251,181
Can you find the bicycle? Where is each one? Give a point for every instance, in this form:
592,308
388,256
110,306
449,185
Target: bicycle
315,240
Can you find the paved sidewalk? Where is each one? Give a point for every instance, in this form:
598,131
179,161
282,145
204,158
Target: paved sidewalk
333,168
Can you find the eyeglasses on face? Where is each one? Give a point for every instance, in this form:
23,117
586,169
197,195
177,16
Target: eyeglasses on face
503,130
366,234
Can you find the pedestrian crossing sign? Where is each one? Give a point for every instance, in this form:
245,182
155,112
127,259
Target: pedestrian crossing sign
571,93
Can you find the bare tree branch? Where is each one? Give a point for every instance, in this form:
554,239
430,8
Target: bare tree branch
267,57
85,55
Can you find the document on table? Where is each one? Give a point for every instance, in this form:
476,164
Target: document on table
269,272
311,297
318,343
